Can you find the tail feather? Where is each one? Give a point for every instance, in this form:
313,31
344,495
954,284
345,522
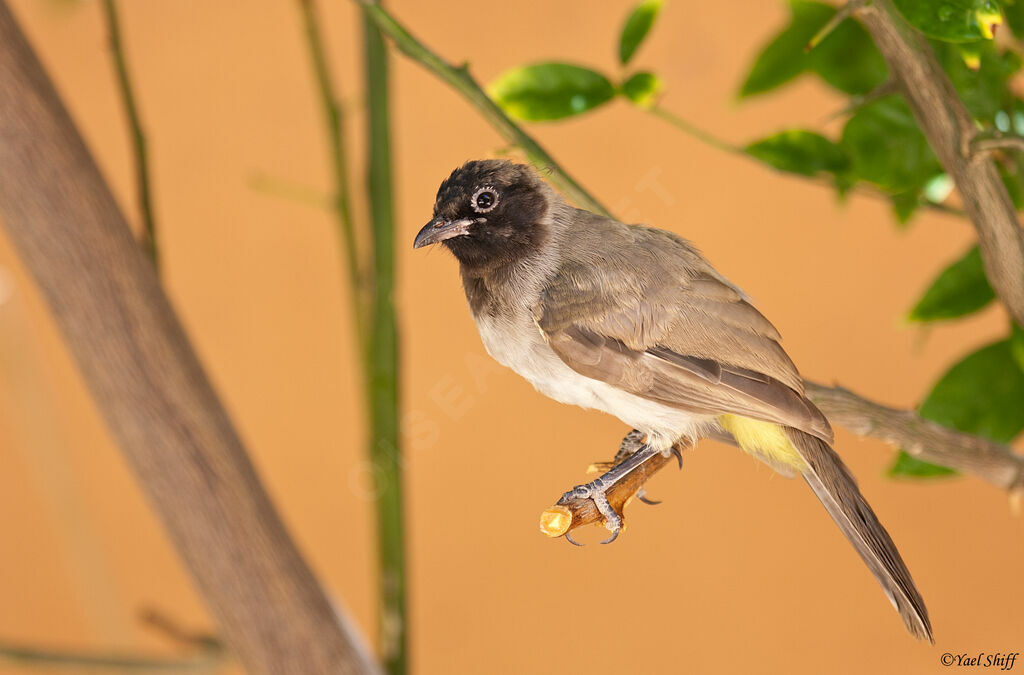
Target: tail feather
837,489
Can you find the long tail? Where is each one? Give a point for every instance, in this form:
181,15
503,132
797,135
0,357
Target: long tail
837,489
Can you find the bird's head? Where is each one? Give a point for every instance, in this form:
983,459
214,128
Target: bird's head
489,212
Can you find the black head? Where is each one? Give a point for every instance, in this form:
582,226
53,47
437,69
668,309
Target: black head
487,213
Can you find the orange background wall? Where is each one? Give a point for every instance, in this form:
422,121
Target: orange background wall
738,570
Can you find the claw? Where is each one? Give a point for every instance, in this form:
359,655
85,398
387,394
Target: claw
679,456
649,502
615,535
568,538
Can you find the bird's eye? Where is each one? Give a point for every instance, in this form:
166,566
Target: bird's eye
484,199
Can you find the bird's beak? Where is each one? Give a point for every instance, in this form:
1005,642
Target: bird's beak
439,229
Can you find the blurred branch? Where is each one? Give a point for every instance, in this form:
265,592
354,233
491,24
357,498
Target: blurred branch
855,103
950,130
993,462
169,628
384,446
460,80
208,652
49,658
334,120
139,146
150,387
289,190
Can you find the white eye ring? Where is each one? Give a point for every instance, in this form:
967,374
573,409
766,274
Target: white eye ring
476,195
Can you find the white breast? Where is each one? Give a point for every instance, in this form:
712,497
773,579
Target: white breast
516,342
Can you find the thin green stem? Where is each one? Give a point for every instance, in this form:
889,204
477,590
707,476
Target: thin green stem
290,190
460,79
713,141
385,449
341,203
139,146
696,132
38,657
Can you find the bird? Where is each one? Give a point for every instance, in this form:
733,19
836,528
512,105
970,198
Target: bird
635,322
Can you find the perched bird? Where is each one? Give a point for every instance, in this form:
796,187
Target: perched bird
634,321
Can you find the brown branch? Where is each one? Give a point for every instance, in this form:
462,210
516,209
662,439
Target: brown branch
949,129
150,387
572,512
993,462
988,460
983,145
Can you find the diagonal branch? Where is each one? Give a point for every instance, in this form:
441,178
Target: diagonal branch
150,387
950,130
459,79
993,462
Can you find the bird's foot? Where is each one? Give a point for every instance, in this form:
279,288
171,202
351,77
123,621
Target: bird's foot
641,494
597,491
632,442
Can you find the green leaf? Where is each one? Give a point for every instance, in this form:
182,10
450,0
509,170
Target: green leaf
638,24
801,152
888,148
904,204
550,91
983,89
1017,344
908,466
953,20
784,57
1013,10
846,59
642,89
960,289
982,394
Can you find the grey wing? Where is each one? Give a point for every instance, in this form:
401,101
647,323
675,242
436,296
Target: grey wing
652,317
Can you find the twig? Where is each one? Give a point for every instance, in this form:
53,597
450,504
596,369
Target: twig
208,652
993,462
385,450
292,191
864,189
888,87
841,15
460,79
103,660
334,120
169,628
949,128
570,513
980,146
150,387
139,145
694,131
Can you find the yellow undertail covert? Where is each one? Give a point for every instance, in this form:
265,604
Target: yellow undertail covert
763,438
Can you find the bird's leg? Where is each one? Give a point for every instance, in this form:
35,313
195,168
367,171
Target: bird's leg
631,442
619,485
596,490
